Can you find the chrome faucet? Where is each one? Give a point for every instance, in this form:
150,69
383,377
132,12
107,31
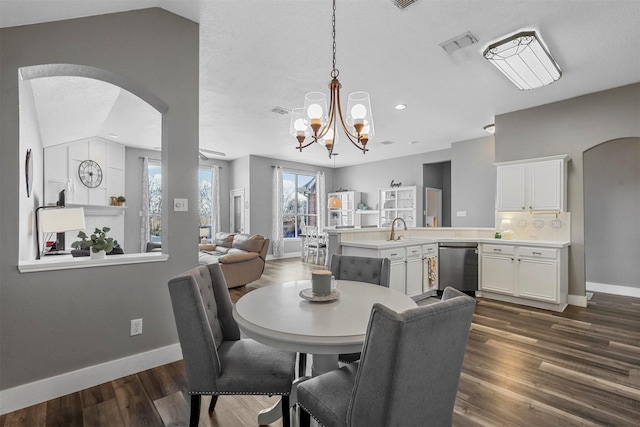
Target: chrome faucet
393,228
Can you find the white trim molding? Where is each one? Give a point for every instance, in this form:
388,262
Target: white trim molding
627,291
46,389
577,300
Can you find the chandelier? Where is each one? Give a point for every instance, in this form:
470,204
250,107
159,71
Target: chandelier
320,123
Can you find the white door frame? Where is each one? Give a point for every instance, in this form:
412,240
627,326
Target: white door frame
233,194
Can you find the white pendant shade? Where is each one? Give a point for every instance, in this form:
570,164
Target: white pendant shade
524,60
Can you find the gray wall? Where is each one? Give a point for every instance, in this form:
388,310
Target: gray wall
571,127
60,321
472,180
611,206
473,183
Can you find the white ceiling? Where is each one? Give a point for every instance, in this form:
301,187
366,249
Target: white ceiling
260,54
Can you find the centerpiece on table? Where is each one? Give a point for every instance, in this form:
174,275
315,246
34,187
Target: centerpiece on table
97,244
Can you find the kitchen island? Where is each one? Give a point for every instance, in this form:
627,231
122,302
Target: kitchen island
529,272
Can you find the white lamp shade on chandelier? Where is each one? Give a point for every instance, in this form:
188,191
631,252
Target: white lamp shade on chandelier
525,60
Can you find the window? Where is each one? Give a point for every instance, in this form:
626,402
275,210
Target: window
300,203
155,202
205,200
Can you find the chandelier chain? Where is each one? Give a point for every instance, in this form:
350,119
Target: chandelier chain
334,72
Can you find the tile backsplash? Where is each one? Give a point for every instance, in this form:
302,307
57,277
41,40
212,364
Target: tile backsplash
537,226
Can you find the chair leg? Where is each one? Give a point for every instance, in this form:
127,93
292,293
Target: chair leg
194,418
304,417
286,412
212,405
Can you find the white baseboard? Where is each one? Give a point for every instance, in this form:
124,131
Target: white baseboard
46,389
287,255
613,289
577,300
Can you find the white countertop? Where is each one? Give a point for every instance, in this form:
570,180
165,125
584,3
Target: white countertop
411,241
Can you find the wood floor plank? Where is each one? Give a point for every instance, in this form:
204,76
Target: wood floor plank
65,411
35,415
136,408
174,409
105,413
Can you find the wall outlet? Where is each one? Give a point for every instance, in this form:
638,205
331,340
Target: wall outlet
461,213
180,205
136,327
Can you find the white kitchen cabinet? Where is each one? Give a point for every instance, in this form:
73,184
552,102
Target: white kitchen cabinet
397,202
430,269
345,215
532,185
398,269
414,270
498,269
535,276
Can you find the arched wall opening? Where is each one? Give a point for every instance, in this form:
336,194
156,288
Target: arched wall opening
31,138
611,220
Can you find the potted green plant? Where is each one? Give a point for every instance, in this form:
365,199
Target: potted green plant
98,243
121,200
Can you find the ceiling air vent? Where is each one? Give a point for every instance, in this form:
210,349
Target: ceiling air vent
280,110
458,42
403,4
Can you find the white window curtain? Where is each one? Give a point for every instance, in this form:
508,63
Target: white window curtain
144,227
321,194
277,238
215,202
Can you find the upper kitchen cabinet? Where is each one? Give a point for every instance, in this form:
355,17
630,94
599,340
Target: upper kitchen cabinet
533,184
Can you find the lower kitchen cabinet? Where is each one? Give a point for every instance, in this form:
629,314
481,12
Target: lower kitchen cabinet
398,268
414,271
531,276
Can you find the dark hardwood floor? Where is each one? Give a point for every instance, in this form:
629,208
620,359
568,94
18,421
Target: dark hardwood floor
523,367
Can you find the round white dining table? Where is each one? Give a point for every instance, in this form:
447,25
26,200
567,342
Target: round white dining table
277,316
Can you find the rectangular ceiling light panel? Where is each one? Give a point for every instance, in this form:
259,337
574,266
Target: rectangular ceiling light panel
524,60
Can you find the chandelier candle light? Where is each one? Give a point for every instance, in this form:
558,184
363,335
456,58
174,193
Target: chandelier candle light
320,122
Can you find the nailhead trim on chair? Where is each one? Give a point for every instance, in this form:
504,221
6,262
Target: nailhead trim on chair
309,412
238,393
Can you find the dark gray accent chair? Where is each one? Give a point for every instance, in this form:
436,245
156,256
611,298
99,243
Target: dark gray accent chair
360,269
216,359
408,374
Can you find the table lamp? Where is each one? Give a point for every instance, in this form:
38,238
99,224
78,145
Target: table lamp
57,219
205,233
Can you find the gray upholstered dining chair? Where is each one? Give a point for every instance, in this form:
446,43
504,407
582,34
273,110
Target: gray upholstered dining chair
360,269
217,360
408,374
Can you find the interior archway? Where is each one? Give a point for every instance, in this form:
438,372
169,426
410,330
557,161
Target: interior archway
121,104
611,221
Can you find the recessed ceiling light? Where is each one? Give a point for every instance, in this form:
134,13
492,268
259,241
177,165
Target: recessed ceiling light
490,128
113,135
401,106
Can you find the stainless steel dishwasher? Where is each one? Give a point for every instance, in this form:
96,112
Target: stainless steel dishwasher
458,266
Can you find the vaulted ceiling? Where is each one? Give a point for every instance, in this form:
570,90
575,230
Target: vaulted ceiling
259,54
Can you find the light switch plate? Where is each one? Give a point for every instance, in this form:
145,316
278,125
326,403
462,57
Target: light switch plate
461,213
180,205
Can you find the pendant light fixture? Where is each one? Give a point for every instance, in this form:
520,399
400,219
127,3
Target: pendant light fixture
319,121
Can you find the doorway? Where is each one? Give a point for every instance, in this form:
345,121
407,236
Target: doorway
432,207
237,212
